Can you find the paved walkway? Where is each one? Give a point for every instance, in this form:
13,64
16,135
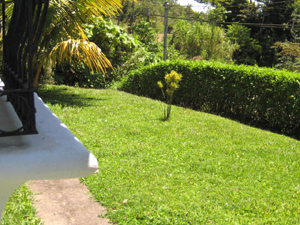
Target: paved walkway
66,202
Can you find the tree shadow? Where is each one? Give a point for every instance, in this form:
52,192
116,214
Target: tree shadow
66,98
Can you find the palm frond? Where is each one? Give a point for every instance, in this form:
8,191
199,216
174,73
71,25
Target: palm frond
80,51
65,21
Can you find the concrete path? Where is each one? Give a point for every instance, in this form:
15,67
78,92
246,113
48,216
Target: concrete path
66,202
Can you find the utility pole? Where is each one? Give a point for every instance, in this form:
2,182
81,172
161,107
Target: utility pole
120,13
3,25
166,5
132,12
148,15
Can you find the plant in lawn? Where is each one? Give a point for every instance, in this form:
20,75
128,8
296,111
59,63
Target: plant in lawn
172,81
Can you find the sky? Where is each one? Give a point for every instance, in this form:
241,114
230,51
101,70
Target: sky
197,7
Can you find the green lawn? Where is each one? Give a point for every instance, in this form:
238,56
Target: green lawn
196,168
19,209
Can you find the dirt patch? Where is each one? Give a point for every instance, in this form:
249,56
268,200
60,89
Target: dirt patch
160,37
63,202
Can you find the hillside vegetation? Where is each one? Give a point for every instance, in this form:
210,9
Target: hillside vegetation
263,97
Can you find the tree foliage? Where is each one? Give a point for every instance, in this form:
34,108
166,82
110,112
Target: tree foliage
203,40
116,43
64,27
274,12
249,49
153,12
146,35
289,55
267,20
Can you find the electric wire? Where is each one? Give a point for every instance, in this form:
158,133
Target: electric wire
263,25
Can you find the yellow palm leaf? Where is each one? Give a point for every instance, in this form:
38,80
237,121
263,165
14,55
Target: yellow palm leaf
65,21
80,51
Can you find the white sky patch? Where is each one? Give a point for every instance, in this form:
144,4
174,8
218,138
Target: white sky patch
203,7
196,6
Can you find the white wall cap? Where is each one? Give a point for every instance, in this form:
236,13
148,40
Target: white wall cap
54,153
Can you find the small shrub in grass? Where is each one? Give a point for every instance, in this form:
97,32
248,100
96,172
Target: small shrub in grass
172,80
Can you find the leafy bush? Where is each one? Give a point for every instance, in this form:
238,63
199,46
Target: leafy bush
126,53
289,55
114,40
115,43
204,40
79,75
146,35
263,97
249,48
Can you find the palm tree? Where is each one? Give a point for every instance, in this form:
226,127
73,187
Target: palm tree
64,39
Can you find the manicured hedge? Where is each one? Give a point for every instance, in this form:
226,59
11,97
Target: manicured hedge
264,97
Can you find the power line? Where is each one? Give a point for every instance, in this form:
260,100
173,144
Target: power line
280,26
263,25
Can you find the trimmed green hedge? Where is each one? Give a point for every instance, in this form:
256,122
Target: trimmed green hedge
262,97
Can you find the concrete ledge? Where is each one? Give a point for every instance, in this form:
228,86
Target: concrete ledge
54,153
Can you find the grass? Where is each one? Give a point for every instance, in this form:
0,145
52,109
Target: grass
19,209
196,168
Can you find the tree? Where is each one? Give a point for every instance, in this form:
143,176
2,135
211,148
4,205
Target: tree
295,21
232,10
202,40
274,12
288,52
151,11
249,48
289,55
266,19
63,37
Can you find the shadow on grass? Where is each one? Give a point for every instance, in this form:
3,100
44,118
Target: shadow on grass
65,98
259,125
